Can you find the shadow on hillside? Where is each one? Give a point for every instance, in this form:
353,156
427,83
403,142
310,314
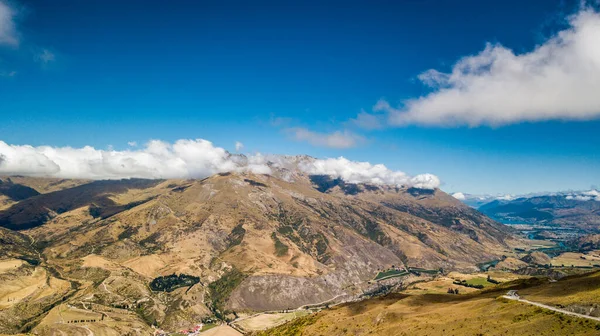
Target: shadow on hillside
37,210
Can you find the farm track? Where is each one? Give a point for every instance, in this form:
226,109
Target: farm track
558,310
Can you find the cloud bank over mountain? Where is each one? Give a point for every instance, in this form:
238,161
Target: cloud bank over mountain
364,172
589,195
459,196
558,80
185,159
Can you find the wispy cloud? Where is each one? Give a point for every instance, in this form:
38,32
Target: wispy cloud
238,146
8,30
8,73
45,56
367,121
558,80
11,38
337,139
279,121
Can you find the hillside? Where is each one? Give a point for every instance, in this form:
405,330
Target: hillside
477,313
17,188
537,258
587,243
253,242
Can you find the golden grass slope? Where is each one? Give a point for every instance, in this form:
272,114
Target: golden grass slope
25,291
587,259
482,313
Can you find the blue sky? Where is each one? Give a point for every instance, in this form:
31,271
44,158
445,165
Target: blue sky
284,77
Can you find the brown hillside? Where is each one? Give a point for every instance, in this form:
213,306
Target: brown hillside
272,242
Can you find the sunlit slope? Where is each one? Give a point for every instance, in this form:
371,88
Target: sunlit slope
484,313
254,242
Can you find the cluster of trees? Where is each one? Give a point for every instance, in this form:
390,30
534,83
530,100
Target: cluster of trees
221,289
171,282
466,284
489,279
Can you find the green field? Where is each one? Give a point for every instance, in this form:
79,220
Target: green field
208,326
479,281
390,273
423,270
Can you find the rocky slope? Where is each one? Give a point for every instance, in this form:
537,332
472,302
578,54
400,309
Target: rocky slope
254,242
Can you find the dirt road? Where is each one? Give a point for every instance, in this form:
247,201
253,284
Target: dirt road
566,312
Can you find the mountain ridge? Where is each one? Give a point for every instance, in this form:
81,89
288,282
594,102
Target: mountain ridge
256,242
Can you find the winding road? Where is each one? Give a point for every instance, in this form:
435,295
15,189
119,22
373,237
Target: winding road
566,312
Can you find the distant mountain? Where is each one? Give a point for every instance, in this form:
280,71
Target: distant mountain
572,209
235,242
475,201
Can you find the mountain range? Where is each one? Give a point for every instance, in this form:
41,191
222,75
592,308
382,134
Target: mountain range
173,252
579,210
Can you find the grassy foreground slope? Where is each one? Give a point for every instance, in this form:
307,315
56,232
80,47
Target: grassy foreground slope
481,313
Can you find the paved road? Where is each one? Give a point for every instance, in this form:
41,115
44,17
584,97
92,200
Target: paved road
566,312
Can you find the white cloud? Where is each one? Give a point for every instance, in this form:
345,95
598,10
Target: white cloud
459,196
182,159
507,197
8,31
592,193
336,139
585,195
132,144
238,146
365,172
558,80
185,159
